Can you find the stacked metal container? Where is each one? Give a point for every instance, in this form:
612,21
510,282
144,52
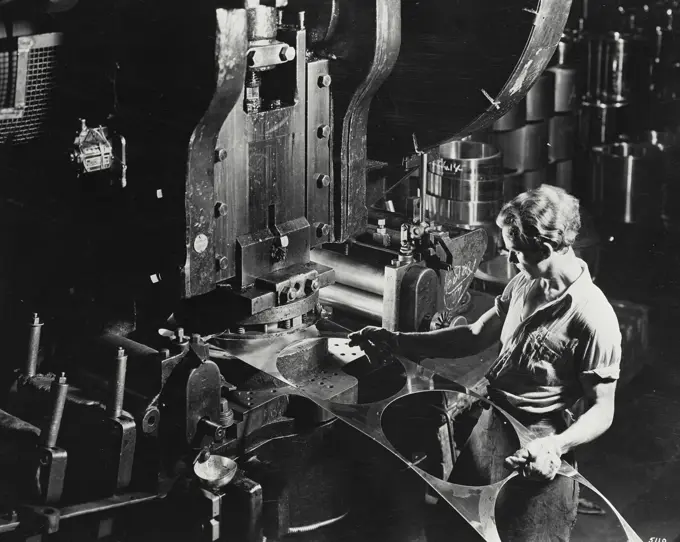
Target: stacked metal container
523,134
465,188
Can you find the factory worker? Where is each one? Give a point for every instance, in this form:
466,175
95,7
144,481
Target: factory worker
556,371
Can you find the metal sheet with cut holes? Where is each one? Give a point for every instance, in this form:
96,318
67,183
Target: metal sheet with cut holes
475,504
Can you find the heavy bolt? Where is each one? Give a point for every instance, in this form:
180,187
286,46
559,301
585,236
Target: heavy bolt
220,209
324,131
221,154
222,262
322,229
312,286
286,54
324,81
323,180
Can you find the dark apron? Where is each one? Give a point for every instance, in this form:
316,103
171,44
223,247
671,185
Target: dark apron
526,510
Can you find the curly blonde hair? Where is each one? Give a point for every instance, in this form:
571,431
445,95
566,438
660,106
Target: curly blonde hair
544,214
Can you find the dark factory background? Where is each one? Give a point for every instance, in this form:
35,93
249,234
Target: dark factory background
198,201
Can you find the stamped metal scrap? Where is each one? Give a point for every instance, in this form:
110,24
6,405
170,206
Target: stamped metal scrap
475,504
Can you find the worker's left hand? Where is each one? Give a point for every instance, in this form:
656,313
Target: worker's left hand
538,460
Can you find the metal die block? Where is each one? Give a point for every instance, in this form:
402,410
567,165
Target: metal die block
242,505
257,250
419,289
123,434
52,472
319,163
394,275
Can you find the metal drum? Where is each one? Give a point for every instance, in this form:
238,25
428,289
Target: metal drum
465,186
525,148
534,178
627,182
615,66
601,123
540,100
561,137
513,119
566,89
561,174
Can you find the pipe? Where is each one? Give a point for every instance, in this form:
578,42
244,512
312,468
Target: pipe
352,301
33,346
352,273
423,184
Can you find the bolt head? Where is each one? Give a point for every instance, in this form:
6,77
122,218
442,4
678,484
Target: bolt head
322,229
324,131
221,154
222,262
381,222
324,81
323,180
286,53
221,209
283,241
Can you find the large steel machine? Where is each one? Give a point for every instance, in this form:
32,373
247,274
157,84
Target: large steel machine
181,185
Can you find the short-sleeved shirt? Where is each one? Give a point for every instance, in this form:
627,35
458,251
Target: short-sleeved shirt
544,358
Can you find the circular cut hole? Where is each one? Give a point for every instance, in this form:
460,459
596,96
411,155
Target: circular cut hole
417,426
152,420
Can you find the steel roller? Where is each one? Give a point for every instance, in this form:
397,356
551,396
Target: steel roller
352,301
351,272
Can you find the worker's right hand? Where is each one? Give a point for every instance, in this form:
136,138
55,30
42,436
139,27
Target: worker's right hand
373,336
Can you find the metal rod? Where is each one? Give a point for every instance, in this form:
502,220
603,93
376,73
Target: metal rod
58,391
351,272
423,184
352,301
33,345
118,386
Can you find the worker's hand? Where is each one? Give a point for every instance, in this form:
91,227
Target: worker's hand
376,337
538,460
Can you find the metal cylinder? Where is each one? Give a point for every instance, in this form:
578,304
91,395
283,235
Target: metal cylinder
524,149
58,391
614,59
626,182
262,23
445,186
471,213
467,160
33,345
513,119
512,184
561,173
534,178
115,407
566,89
601,123
562,133
352,301
351,272
540,99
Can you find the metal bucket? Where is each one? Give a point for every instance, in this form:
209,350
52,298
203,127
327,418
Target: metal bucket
627,182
